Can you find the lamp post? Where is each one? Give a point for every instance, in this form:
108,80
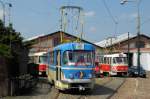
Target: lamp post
128,49
138,30
9,12
3,6
9,15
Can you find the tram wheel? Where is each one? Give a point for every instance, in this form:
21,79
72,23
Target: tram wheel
88,91
51,82
125,74
101,75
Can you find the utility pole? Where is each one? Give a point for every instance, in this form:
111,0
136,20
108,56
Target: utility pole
138,31
128,49
138,34
3,6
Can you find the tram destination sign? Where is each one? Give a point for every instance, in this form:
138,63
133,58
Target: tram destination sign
79,46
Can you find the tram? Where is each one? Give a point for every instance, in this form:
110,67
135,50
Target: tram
71,66
113,64
40,58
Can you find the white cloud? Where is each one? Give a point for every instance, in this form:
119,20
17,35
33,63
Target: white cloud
89,14
128,16
93,29
133,15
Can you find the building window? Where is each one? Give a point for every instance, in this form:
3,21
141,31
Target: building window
56,41
141,44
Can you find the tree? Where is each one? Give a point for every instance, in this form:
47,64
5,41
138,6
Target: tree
11,48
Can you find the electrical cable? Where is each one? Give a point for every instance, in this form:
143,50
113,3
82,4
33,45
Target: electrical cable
109,12
146,21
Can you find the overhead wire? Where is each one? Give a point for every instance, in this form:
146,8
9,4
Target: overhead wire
146,21
111,16
109,12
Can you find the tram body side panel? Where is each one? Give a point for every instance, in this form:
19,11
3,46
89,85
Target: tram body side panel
105,68
52,73
119,68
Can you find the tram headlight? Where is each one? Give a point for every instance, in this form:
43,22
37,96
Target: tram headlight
63,76
71,76
90,75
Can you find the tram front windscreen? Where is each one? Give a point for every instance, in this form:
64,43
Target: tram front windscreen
83,58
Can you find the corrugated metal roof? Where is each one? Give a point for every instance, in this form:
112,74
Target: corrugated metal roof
117,39
35,37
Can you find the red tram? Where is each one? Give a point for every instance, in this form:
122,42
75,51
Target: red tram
113,64
40,58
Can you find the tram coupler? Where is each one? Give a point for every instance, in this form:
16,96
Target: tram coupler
81,88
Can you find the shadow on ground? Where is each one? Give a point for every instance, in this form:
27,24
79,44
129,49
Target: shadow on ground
98,90
41,88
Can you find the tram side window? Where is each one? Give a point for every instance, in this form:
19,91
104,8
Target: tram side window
114,61
31,59
36,59
43,59
109,60
51,57
101,60
67,58
105,60
88,57
64,59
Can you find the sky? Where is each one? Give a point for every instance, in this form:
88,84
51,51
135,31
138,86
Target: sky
102,18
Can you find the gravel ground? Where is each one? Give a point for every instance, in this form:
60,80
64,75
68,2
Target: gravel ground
134,88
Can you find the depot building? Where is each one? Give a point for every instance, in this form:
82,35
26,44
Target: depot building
47,42
121,43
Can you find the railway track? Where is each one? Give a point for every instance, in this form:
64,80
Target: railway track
116,89
103,84
78,94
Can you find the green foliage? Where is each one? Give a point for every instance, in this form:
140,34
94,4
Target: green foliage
5,51
12,49
9,39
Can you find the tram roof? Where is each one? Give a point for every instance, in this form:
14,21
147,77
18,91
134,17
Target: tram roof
115,55
75,46
37,54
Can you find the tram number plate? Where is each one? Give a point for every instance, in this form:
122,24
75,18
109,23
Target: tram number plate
80,46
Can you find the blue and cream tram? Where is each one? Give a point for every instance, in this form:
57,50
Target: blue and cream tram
71,66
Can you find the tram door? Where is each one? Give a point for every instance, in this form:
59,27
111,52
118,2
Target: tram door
58,65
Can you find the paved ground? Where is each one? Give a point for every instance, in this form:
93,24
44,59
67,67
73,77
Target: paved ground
129,88
104,88
134,88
